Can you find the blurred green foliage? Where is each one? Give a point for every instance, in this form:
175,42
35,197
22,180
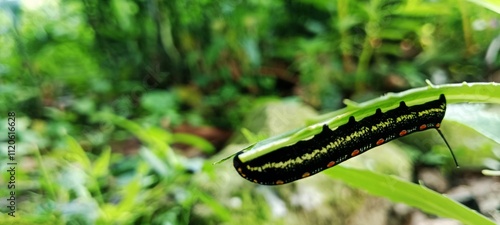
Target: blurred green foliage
84,75
221,54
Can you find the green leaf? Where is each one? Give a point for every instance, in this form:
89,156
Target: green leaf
491,172
194,141
155,138
100,167
219,209
478,118
155,162
159,101
398,190
493,5
76,153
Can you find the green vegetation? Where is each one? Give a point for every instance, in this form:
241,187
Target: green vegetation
402,191
122,106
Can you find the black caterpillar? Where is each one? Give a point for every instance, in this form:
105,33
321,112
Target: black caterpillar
332,147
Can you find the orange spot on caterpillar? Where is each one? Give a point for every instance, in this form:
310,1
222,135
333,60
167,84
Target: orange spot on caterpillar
240,171
438,125
330,164
255,181
403,133
380,141
278,182
355,152
423,126
306,174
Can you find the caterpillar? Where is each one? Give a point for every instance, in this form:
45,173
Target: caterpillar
332,147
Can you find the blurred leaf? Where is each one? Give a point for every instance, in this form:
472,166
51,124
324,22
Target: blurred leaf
100,166
67,64
75,153
84,105
398,190
74,179
491,172
124,12
194,141
425,8
155,162
219,209
253,52
486,122
251,137
159,101
493,5
159,134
